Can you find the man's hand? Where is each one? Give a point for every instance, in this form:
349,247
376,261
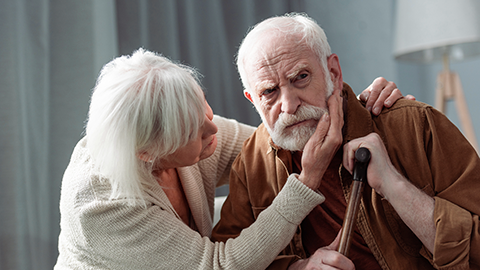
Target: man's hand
413,206
325,258
323,144
381,173
381,93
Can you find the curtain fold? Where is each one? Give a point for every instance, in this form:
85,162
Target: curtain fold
24,133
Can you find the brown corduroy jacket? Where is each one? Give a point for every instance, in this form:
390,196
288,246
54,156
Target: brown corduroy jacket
422,144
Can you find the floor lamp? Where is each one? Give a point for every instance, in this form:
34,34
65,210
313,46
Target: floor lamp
440,30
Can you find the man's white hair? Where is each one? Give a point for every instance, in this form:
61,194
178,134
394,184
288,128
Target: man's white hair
298,24
143,103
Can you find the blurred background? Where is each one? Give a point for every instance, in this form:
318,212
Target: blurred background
51,52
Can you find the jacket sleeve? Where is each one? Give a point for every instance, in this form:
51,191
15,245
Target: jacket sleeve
455,170
126,237
432,153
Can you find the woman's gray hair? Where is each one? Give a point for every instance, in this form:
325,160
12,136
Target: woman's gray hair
310,33
141,104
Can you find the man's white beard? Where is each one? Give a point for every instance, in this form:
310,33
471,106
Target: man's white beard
296,138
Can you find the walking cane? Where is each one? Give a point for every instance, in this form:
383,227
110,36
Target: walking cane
362,157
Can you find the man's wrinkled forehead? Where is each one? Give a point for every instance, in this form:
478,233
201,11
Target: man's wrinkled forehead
266,63
266,76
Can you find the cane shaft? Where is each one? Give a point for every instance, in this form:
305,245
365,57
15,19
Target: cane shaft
350,217
362,157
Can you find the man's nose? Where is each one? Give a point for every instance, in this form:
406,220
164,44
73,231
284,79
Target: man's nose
290,101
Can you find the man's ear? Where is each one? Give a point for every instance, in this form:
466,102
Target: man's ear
333,64
247,95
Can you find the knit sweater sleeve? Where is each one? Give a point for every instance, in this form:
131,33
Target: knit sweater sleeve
112,235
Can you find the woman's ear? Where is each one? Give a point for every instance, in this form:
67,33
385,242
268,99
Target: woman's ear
145,157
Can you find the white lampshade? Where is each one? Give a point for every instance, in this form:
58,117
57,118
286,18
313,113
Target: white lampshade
426,29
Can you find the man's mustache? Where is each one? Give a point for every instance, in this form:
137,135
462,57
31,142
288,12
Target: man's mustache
304,113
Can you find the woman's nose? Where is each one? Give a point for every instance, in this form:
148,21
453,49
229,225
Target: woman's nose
210,127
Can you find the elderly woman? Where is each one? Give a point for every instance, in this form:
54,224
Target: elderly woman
139,190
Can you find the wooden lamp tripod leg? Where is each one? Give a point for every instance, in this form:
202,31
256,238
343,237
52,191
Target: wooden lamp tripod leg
450,87
462,110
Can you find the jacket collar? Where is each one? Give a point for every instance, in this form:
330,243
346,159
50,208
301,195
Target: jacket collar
358,120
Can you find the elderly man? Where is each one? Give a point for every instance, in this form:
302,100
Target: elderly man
420,209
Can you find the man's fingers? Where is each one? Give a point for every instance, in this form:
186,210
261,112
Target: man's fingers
331,259
336,242
338,263
349,154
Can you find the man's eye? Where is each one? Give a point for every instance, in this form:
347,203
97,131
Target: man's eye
302,76
268,91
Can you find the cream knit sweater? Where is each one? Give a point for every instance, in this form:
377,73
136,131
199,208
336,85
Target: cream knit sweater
98,233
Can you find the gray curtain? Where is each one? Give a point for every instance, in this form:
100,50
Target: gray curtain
50,54
203,34
52,50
